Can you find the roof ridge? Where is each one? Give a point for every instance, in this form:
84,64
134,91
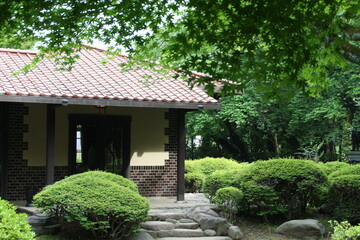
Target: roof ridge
19,50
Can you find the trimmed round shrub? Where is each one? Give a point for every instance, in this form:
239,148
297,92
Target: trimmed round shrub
349,170
344,231
13,225
282,186
344,197
107,176
220,179
209,165
228,199
105,207
194,182
331,167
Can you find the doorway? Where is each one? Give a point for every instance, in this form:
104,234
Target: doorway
99,143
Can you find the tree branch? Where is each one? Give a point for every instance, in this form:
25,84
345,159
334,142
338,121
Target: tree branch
351,52
352,33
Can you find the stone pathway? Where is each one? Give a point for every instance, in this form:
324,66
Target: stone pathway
190,220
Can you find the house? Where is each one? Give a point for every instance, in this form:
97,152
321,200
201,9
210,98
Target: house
57,123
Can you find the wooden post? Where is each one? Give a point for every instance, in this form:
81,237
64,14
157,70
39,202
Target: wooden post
181,156
50,144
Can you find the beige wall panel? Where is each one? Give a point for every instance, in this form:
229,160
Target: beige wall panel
36,136
147,134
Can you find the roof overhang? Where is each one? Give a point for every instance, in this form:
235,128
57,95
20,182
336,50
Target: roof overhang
109,102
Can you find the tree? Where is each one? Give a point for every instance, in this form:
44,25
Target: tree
276,43
249,127
9,39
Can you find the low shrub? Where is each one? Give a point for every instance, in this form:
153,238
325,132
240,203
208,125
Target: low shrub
344,197
282,186
344,231
104,206
209,165
194,182
331,167
349,170
13,225
220,179
228,199
107,176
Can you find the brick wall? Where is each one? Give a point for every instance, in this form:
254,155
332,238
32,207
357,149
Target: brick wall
160,180
19,174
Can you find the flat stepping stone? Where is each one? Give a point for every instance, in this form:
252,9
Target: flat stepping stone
192,225
157,225
196,238
164,216
181,233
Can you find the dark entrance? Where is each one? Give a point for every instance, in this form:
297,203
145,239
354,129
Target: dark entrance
99,142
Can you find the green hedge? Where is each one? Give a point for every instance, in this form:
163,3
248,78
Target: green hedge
344,231
228,199
13,226
220,179
349,170
344,197
209,165
282,186
331,167
194,182
105,175
97,203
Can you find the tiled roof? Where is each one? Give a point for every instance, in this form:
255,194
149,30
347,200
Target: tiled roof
91,79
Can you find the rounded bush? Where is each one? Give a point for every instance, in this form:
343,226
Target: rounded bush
282,186
331,167
228,199
344,196
105,175
13,225
344,231
108,209
194,182
220,179
349,170
209,165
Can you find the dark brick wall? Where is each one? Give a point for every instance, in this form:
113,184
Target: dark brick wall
160,180
19,174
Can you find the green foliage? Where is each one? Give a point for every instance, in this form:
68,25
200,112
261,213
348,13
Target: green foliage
13,226
228,199
12,40
273,43
349,170
282,186
331,167
97,203
209,165
105,175
250,127
220,179
344,231
194,181
344,197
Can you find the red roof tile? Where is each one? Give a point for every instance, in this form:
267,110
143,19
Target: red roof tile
91,79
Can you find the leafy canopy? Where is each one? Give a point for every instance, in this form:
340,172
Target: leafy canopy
276,43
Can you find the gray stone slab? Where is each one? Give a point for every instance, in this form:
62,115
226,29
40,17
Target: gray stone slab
192,225
180,233
157,225
195,238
